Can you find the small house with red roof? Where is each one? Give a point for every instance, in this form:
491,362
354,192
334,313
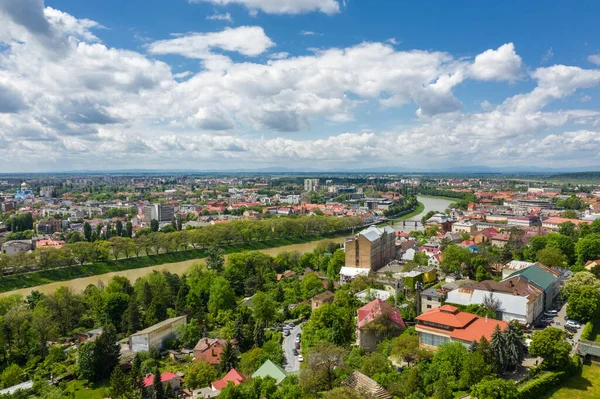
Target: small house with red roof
377,321
447,324
233,376
166,378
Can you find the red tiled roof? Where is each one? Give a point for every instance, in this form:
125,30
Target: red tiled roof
481,327
376,309
166,376
233,376
447,315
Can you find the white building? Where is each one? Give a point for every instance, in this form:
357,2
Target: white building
311,185
155,336
370,293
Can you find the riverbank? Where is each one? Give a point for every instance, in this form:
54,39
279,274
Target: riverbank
417,211
34,279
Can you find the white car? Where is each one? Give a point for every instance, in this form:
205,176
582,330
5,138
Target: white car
573,323
300,358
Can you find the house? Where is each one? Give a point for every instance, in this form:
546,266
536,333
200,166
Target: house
155,336
500,240
233,376
553,223
590,264
377,321
448,324
15,246
463,227
370,293
518,298
429,273
347,274
270,369
365,386
166,378
371,249
544,277
513,266
88,336
432,298
320,299
209,350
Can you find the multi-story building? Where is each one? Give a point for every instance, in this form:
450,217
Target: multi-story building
311,185
371,249
155,336
47,192
159,212
49,226
376,322
448,324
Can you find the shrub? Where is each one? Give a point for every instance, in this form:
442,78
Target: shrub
538,387
586,334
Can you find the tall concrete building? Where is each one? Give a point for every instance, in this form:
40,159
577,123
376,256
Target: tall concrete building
160,212
311,185
372,248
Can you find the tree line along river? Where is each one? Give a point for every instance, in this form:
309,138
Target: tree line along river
79,284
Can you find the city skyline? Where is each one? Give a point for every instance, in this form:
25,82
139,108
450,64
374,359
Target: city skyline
297,84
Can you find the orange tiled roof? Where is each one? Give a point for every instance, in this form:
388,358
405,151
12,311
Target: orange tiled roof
447,315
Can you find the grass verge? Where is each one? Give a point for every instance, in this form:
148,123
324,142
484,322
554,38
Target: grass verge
583,386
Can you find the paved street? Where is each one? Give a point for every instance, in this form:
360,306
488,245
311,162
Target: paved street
291,362
559,322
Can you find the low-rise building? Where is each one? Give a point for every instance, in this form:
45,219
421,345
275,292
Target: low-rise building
155,336
432,298
15,246
270,369
544,277
447,324
233,376
463,227
320,299
377,321
209,350
166,378
370,293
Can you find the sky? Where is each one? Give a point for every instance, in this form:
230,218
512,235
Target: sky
298,84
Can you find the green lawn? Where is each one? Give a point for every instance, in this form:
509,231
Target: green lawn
584,386
97,391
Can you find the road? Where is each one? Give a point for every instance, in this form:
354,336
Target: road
559,322
291,362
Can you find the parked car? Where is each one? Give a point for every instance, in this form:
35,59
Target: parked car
295,352
568,334
297,345
540,324
550,313
297,338
571,329
286,332
300,358
573,323
292,325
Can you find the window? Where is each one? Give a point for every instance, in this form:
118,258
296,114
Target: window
429,298
433,340
428,306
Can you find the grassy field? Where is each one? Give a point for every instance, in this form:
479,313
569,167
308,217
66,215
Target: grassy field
10,283
97,391
584,386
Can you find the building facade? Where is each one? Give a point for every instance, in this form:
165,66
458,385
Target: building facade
371,249
155,336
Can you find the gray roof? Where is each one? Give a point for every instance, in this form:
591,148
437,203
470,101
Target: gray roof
431,292
159,325
374,233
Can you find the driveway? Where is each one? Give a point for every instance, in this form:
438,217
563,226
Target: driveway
291,362
559,322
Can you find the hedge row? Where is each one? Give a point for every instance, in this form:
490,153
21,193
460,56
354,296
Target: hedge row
549,381
587,332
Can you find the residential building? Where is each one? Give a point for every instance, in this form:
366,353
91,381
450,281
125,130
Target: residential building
432,298
590,264
500,240
209,350
270,369
233,376
554,222
320,299
463,227
544,277
47,192
371,249
12,247
159,212
518,298
447,324
370,293
49,226
155,336
311,185
513,266
166,378
377,321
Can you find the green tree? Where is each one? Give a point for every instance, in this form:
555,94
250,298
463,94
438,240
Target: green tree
222,296
215,259
87,232
588,248
498,345
200,374
584,304
550,344
495,388
454,258
86,369
552,257
158,390
106,353
474,369
119,228
154,225
579,280
12,375
322,361
375,363
228,358
263,308
514,350
121,386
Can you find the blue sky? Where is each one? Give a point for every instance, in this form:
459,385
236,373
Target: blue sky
325,84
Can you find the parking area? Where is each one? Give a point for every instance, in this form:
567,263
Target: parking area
560,321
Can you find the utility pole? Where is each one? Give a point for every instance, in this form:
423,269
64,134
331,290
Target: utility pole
419,289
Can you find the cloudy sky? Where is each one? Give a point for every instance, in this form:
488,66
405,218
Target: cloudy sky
319,84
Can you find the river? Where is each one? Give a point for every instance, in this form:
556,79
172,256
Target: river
79,284
431,204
